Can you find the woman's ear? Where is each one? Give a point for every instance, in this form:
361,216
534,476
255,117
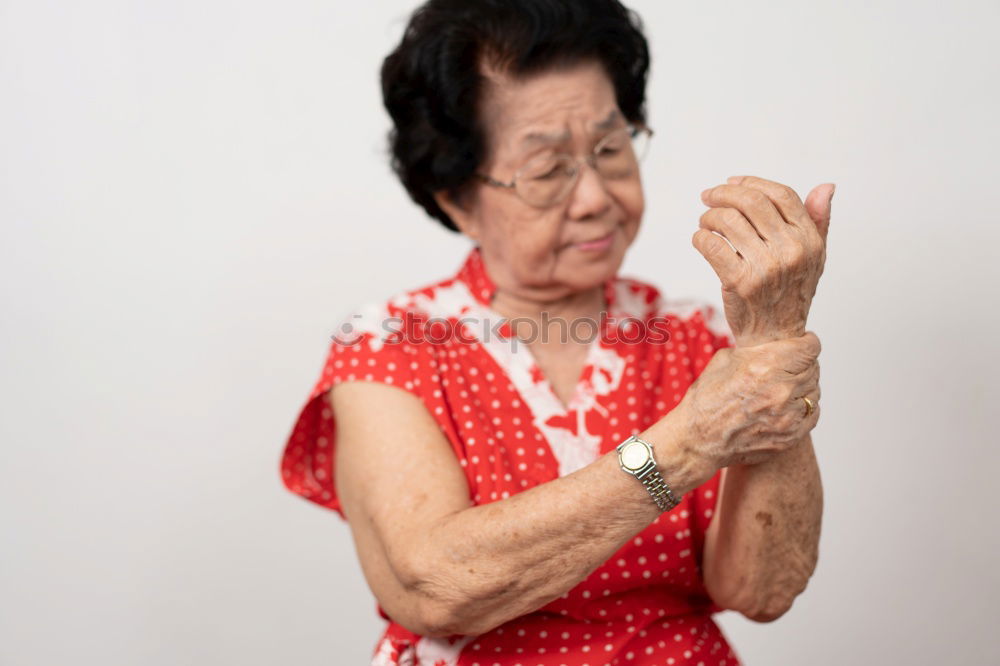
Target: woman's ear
458,208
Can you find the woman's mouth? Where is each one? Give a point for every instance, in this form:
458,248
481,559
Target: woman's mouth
597,244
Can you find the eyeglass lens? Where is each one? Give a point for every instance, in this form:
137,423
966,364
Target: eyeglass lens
547,178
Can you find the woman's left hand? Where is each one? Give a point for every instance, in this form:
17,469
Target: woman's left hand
769,282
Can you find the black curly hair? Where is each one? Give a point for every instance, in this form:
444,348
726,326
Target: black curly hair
431,81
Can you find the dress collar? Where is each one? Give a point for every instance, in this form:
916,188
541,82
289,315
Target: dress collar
473,274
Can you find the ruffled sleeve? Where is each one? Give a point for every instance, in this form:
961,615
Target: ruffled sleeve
362,349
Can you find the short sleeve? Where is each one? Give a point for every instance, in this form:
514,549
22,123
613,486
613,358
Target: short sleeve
365,354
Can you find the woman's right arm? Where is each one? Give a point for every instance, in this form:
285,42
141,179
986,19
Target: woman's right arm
441,566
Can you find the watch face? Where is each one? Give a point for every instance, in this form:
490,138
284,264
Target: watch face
635,455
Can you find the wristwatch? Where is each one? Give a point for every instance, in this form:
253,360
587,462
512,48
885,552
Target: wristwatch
636,458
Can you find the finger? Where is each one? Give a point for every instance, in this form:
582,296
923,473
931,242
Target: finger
783,198
808,385
755,205
721,256
804,385
808,343
799,386
732,224
807,423
797,355
796,410
814,345
819,203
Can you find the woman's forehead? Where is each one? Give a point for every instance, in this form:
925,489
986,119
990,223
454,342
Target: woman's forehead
533,135
511,144
550,106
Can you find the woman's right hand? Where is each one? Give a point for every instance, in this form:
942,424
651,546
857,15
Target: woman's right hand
746,404
769,281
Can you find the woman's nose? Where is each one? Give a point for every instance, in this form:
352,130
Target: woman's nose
590,196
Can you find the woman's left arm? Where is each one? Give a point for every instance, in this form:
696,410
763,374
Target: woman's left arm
763,542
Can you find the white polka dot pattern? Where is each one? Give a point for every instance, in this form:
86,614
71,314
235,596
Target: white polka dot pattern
647,603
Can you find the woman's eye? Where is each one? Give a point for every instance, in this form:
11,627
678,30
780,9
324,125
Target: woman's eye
548,174
544,169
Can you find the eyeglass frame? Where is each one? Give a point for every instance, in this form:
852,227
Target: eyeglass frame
632,128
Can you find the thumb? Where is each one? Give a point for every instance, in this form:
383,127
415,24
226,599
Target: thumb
818,205
796,355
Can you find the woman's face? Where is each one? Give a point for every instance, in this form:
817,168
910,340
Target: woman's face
536,253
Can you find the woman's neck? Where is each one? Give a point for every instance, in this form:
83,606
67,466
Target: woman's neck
529,315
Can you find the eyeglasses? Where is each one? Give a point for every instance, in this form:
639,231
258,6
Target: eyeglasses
548,179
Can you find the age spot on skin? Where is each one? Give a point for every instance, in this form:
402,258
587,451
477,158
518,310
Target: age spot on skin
764,518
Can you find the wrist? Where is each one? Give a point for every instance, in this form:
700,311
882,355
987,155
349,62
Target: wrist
754,339
680,464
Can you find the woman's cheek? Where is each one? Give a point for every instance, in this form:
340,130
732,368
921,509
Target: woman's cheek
631,230
533,244
630,198
638,201
634,206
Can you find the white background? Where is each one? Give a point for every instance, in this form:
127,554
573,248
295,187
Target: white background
193,193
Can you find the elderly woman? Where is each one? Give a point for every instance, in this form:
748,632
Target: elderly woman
522,493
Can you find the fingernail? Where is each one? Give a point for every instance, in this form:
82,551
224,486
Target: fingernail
833,191
705,193
734,179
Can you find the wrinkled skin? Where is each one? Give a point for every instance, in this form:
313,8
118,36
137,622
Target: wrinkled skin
769,281
744,406
768,249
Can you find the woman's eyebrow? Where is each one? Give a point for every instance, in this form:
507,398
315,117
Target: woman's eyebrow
610,121
541,137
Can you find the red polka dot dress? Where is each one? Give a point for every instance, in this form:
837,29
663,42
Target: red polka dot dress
647,603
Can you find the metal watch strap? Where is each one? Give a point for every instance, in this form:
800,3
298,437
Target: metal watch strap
650,477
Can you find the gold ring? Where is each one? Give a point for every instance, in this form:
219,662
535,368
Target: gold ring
809,405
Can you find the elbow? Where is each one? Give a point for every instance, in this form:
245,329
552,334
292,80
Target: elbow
441,618
771,604
422,616
442,605
450,593
758,605
450,613
424,611
411,599
438,620
769,609
759,599
427,604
